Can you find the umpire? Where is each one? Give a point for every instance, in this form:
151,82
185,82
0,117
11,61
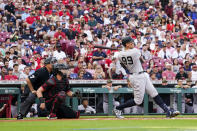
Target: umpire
34,81
52,94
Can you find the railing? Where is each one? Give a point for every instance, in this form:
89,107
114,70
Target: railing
85,82
94,86
110,93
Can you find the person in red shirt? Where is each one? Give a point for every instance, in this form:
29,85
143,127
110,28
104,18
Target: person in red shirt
89,55
31,19
40,65
170,25
190,34
79,67
10,75
86,16
59,34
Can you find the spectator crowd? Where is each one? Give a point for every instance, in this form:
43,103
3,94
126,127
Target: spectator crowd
164,31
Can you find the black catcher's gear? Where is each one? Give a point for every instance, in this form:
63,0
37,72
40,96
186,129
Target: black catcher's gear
77,94
60,69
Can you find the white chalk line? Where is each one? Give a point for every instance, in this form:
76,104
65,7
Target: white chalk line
135,127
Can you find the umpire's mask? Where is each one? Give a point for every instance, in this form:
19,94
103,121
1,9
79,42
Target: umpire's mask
50,60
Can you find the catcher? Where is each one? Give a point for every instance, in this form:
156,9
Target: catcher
52,94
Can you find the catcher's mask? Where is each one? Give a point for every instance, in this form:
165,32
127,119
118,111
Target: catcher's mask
60,69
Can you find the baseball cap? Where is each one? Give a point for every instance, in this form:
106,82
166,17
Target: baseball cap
15,57
109,81
164,81
189,80
10,69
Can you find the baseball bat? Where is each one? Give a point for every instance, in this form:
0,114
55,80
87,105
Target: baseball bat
104,47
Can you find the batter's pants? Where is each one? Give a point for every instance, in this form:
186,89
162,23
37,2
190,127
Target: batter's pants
141,83
105,106
134,110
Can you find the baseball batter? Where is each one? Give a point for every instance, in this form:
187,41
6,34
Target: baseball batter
129,59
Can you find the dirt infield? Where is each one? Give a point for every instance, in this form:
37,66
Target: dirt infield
92,119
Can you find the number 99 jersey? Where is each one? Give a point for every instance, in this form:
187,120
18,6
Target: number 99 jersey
130,59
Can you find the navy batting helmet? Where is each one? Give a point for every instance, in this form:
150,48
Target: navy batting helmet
126,40
50,60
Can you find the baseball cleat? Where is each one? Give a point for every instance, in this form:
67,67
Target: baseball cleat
19,116
172,113
118,113
52,116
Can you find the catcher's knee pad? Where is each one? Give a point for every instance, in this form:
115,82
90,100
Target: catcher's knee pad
61,96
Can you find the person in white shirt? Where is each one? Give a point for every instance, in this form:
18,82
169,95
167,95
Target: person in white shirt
193,73
25,14
112,42
21,65
106,19
85,108
2,5
191,50
178,53
163,53
25,73
88,32
159,32
59,54
46,52
187,25
13,61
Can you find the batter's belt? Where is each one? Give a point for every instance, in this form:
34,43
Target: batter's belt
137,73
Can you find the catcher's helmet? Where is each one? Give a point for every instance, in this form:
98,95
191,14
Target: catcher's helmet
126,40
59,69
50,60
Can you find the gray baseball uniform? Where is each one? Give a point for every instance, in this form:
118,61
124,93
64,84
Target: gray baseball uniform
105,101
130,60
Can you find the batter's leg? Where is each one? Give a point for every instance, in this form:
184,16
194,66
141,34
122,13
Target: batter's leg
138,84
127,110
150,89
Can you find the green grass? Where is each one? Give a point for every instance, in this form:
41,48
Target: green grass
103,125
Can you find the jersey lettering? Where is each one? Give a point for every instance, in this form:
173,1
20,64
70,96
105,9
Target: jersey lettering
127,60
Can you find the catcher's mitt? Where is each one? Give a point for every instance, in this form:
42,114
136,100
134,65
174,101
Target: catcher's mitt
77,94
